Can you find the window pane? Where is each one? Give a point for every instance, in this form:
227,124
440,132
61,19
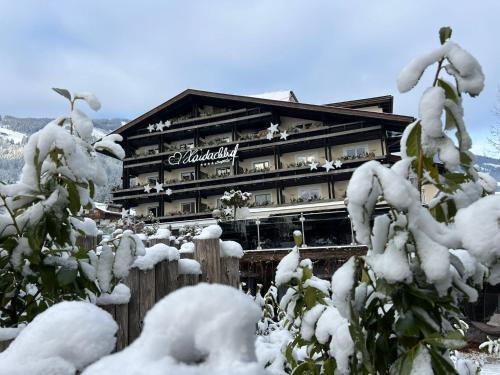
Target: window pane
350,152
361,151
310,194
261,199
187,207
261,165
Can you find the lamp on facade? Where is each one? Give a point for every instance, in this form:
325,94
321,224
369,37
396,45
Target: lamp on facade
257,222
353,239
302,219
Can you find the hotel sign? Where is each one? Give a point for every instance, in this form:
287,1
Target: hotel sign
222,155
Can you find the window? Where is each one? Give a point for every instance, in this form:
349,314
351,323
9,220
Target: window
187,176
263,199
261,165
188,207
152,180
186,146
133,182
223,171
219,203
153,211
310,194
305,159
358,151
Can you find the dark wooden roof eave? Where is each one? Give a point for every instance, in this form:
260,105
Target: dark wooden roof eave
348,112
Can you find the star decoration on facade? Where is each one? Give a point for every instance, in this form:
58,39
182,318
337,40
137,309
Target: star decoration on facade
338,163
160,126
124,213
228,211
283,135
168,191
158,186
313,166
147,188
269,136
151,128
273,128
328,165
168,123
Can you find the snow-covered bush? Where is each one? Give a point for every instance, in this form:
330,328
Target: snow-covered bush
397,309
492,346
233,202
205,329
41,262
66,337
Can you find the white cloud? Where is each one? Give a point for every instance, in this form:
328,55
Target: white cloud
137,56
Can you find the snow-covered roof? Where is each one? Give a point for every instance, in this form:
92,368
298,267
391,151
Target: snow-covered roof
285,96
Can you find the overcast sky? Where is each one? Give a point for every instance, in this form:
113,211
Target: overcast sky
135,55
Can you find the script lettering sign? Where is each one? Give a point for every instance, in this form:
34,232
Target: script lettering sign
222,155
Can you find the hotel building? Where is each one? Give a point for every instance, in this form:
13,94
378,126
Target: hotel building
296,159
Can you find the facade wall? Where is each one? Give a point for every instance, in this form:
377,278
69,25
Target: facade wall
374,146
142,179
248,164
293,193
211,170
291,158
272,192
175,207
339,188
176,174
142,209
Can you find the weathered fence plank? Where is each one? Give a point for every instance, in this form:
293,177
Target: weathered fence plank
4,345
121,317
134,319
230,271
165,278
146,292
188,280
207,253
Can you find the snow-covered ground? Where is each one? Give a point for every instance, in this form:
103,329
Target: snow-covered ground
16,138
491,369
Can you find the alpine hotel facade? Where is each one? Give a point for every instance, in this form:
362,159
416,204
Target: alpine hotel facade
293,157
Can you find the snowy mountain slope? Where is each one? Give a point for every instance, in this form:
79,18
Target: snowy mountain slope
14,133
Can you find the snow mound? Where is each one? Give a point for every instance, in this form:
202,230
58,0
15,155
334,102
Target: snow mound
189,267
66,337
288,268
187,247
156,254
161,233
231,249
178,339
119,296
211,232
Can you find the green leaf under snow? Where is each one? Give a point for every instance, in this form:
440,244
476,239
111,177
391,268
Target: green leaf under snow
63,92
66,276
74,198
445,34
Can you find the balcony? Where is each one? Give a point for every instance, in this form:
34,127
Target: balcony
262,178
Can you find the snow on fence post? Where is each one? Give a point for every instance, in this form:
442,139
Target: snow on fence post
207,253
231,252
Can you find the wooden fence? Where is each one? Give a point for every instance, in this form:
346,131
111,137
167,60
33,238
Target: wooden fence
147,287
